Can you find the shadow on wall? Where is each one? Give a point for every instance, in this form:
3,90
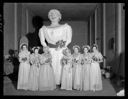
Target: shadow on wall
33,37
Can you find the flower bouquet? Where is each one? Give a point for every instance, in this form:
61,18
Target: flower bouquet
94,58
37,63
48,60
60,43
76,61
24,59
64,61
82,62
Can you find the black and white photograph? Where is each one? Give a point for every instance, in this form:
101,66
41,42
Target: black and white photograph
64,49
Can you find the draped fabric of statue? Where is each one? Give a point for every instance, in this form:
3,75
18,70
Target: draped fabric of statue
52,36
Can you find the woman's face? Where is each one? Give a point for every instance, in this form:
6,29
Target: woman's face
76,50
54,17
85,50
36,51
24,48
94,49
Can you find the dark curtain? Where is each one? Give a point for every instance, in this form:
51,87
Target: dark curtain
118,65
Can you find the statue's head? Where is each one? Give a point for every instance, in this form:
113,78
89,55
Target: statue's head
54,15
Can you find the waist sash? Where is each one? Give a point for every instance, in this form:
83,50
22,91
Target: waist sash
52,45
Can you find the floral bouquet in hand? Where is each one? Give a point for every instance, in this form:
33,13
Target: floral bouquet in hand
82,62
94,58
75,61
90,60
24,59
60,43
48,60
86,60
37,62
64,61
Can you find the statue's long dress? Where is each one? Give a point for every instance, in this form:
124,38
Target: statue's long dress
66,82
95,74
86,72
53,35
77,73
34,73
46,74
24,69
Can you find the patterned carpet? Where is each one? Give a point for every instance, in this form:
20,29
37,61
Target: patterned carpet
10,89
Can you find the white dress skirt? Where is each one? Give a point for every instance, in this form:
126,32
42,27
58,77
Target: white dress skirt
77,75
56,64
86,73
46,77
34,76
95,77
23,75
86,77
66,82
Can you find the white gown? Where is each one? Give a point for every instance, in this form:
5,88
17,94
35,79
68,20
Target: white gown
77,72
66,82
95,73
86,71
24,69
53,35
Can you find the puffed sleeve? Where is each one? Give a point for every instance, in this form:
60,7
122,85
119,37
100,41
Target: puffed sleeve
42,37
20,56
68,35
100,56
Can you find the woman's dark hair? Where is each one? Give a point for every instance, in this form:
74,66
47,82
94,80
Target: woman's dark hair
95,45
35,49
24,45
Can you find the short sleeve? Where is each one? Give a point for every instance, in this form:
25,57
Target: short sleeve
100,55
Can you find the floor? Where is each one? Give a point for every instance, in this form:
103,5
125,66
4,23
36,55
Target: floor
10,89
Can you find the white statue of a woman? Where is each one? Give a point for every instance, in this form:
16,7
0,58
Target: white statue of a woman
58,36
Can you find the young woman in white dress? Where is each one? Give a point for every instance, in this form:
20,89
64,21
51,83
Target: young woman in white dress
77,68
66,82
24,67
86,63
58,37
95,72
34,70
46,74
